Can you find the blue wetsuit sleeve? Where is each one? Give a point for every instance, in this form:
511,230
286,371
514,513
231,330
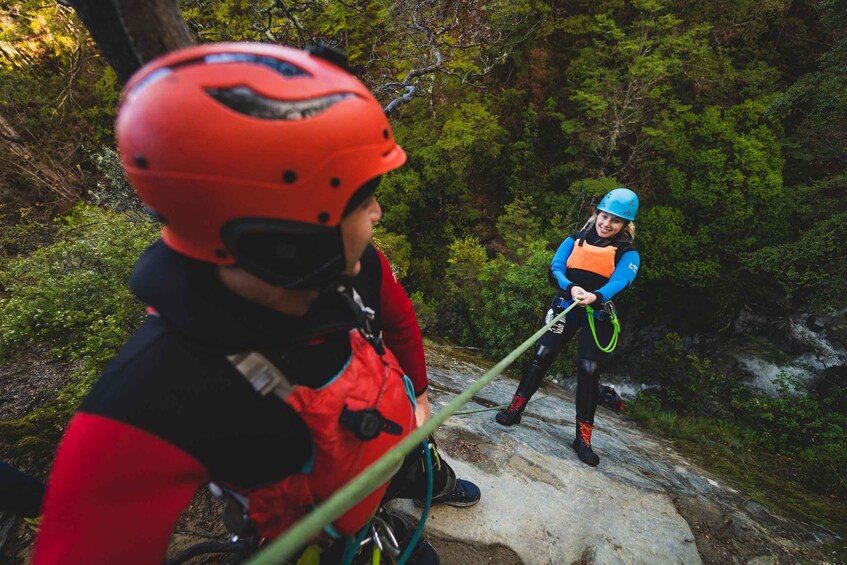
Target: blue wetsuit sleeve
559,264
622,277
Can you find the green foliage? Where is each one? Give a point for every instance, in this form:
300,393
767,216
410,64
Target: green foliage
519,224
72,294
675,256
400,194
467,258
816,104
22,236
801,423
625,79
695,401
425,311
734,450
514,297
395,248
725,174
815,264
72,297
688,384
471,140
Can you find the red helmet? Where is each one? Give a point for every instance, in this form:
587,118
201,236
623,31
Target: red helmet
251,154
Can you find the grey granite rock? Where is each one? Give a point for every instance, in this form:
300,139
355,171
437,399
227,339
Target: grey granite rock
540,502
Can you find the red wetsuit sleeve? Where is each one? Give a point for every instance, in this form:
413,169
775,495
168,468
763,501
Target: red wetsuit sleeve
114,495
400,328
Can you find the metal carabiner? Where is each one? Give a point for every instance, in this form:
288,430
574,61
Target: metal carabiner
389,543
609,308
375,536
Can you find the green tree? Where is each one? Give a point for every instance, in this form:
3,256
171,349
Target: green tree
626,77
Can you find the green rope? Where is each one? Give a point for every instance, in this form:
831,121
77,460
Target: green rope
616,330
498,407
383,468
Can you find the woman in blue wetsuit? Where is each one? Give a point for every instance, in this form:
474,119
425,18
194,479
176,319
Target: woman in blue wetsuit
592,267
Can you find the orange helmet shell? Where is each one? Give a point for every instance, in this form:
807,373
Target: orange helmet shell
199,163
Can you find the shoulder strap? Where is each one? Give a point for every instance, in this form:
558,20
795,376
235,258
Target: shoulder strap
580,236
622,245
264,376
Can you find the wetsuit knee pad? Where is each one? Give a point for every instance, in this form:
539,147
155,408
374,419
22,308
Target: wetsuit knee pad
586,368
541,361
544,357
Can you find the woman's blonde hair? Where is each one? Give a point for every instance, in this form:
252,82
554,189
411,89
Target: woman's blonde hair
628,228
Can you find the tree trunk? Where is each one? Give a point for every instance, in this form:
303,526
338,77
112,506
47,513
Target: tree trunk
131,32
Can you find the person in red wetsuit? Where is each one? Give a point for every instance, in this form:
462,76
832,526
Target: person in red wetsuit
263,354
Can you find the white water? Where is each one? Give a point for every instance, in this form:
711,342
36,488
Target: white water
764,374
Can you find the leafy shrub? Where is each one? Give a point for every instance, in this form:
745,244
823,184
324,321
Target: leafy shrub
425,311
503,300
462,287
815,264
695,402
72,296
804,425
688,384
514,296
396,249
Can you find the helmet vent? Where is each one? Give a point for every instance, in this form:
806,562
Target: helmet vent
247,101
284,68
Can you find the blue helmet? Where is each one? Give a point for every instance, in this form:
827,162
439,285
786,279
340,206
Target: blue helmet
621,202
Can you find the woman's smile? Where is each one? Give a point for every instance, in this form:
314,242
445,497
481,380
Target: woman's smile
608,225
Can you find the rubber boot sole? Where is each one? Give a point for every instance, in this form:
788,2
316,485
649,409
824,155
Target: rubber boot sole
585,455
505,419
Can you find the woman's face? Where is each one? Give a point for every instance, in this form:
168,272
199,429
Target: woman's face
356,232
608,225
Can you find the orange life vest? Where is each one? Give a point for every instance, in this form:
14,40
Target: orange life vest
591,266
369,382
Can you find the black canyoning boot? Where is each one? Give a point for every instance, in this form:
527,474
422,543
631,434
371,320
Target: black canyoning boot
528,386
582,444
512,415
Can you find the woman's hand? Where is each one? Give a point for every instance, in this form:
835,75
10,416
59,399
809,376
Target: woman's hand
582,296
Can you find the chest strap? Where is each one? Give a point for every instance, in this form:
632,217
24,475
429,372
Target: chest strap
263,376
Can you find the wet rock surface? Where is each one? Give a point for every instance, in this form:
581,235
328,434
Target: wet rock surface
644,503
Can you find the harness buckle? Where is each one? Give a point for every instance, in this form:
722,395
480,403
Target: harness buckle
235,511
364,315
367,424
